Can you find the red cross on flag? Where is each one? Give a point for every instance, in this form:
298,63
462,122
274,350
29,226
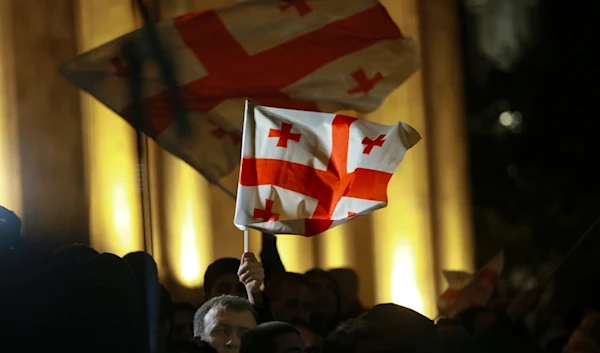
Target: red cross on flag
314,55
465,290
305,172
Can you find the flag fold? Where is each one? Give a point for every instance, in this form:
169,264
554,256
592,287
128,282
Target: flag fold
314,55
306,172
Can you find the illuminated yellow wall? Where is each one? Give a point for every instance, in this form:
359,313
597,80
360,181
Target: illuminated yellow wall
445,112
111,159
10,195
335,248
188,226
404,261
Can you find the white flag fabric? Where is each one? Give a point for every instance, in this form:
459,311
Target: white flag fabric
465,290
305,172
316,55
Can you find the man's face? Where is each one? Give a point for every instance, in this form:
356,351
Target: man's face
230,285
183,326
293,303
223,329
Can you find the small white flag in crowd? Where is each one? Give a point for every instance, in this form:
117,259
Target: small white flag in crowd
317,55
465,290
306,172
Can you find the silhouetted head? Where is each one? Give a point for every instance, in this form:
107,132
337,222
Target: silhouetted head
325,298
272,337
10,223
221,278
411,330
74,255
183,322
357,336
348,284
290,297
10,230
143,265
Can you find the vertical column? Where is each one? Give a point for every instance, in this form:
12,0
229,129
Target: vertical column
443,82
228,241
111,158
361,238
187,228
404,265
47,114
335,248
10,185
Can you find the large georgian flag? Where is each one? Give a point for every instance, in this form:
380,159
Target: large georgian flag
465,290
305,172
318,55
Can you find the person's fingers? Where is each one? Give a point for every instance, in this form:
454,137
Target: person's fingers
247,272
246,266
246,277
243,268
256,273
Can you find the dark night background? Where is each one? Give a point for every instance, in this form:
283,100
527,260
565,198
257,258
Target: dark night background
535,187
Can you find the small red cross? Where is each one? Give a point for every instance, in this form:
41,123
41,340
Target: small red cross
351,214
369,144
301,6
365,84
266,215
220,133
284,135
120,68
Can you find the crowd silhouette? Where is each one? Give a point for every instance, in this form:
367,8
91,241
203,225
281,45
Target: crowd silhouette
76,299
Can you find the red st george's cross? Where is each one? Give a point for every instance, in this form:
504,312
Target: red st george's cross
262,76
325,186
